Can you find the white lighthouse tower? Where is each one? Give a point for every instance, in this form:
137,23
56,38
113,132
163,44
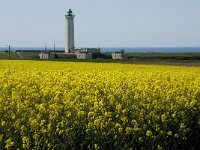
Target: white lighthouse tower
69,31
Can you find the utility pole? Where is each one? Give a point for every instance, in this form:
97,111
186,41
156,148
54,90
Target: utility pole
8,51
45,47
54,46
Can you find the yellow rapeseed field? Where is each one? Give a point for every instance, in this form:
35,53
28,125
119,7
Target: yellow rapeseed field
66,105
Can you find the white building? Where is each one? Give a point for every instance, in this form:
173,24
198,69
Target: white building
46,55
119,55
84,55
69,37
86,50
69,31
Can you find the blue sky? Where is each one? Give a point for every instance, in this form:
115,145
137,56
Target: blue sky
101,23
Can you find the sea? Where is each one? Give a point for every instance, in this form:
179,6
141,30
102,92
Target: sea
126,49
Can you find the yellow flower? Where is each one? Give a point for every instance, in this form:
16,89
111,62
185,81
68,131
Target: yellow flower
120,130
182,126
52,102
9,143
148,133
96,147
3,123
128,130
117,125
163,117
169,133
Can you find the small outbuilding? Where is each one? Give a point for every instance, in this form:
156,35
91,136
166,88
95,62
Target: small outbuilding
119,55
84,55
46,55
87,50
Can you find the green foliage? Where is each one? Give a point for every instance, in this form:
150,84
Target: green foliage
165,56
4,55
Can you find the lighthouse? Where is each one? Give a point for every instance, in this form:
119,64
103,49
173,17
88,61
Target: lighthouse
69,32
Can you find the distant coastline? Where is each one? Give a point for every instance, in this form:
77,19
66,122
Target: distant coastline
127,49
